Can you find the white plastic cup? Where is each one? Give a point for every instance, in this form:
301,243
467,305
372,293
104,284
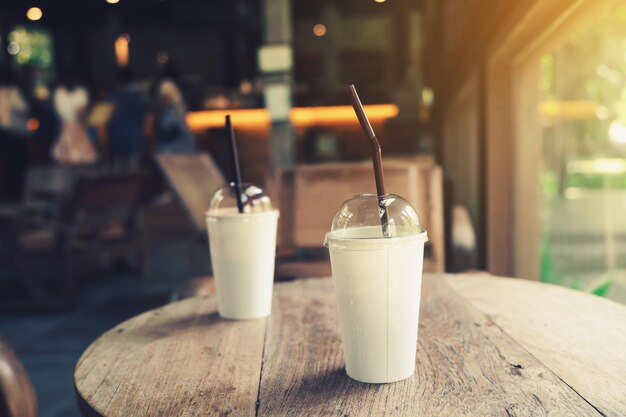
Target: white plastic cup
243,249
377,285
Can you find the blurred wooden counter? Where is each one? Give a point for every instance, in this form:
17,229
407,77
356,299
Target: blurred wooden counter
299,116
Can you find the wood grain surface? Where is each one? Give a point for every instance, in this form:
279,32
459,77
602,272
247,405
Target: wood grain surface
179,360
183,360
465,365
580,337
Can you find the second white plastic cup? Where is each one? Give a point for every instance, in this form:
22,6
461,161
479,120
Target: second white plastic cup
243,250
377,284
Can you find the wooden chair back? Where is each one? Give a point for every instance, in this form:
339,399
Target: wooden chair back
17,395
194,178
104,191
309,195
102,208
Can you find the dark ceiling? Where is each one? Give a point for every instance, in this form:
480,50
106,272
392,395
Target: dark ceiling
312,8
90,12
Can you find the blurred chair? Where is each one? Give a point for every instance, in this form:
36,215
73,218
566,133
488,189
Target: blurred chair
98,221
17,395
309,195
44,189
194,178
46,183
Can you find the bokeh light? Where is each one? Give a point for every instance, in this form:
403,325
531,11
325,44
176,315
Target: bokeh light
32,124
319,29
13,48
121,49
162,57
34,13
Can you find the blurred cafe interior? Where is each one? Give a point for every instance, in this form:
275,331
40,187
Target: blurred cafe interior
502,122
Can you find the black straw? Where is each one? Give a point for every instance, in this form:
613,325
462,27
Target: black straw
236,174
376,156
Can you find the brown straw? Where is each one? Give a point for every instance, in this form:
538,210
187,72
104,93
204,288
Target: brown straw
376,155
236,174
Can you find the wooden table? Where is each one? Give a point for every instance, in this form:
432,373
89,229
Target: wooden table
487,347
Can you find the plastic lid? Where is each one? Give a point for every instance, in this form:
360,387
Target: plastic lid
253,198
361,217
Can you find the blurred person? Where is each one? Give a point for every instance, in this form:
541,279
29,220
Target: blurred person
126,126
46,130
248,94
14,114
172,135
74,145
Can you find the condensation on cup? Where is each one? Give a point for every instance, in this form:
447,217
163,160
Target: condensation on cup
377,282
243,250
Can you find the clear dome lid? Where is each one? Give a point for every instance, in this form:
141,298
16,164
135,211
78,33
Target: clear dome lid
363,217
254,200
